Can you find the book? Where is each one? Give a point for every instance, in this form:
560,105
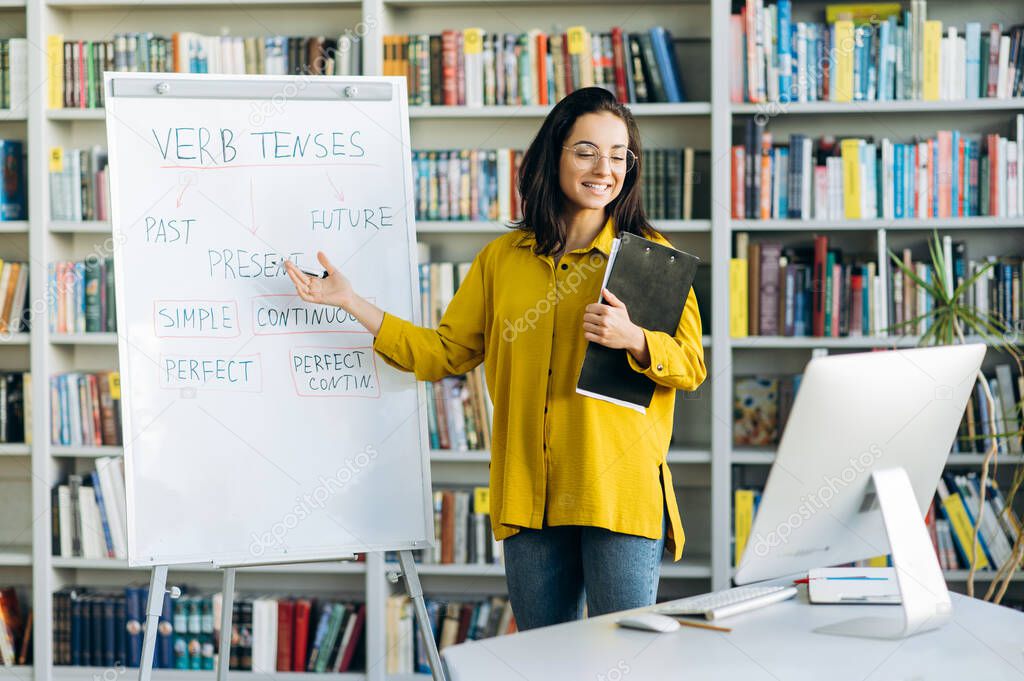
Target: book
868,52
653,281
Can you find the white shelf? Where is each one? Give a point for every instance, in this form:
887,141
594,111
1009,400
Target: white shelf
968,459
422,226
522,3
10,115
866,108
13,226
239,4
752,455
537,111
453,456
75,114
79,226
341,567
63,673
979,576
688,455
765,456
85,451
94,338
696,568
15,449
830,342
676,455
20,338
924,224
415,112
455,569
498,227
460,227
15,556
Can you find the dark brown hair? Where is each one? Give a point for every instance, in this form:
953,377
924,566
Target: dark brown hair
542,199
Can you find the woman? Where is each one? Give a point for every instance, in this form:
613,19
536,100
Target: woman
580,490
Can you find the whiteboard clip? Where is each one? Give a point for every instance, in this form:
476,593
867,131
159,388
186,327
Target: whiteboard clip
394,575
350,91
162,88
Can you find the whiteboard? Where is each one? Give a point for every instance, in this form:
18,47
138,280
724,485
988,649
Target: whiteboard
259,428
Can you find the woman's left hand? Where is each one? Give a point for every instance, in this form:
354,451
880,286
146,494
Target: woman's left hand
609,325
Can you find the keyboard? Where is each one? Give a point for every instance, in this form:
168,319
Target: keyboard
721,604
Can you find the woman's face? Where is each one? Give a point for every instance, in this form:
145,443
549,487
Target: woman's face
594,187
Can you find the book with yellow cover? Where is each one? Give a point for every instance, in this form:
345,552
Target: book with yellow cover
932,46
862,12
842,70
55,71
743,520
960,524
738,297
850,153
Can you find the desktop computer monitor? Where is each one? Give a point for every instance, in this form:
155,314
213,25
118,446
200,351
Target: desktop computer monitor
863,424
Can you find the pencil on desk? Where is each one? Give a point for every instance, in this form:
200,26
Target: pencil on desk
700,625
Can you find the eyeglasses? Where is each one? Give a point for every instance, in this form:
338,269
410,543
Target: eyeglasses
588,157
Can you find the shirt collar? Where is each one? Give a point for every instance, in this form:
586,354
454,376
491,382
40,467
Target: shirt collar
602,242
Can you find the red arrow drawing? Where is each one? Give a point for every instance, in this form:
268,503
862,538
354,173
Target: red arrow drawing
337,192
187,185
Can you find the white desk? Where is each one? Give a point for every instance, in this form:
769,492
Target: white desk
983,641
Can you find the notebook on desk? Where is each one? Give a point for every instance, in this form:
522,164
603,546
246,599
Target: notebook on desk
653,281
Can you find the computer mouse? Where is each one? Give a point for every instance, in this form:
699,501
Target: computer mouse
649,621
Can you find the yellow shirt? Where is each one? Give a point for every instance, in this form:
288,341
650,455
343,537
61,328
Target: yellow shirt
579,460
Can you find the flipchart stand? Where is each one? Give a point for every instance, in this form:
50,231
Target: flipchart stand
158,587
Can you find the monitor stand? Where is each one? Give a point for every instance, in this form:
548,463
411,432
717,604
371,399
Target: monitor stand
925,599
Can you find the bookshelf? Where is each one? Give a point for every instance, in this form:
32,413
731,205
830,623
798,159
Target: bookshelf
703,459
898,120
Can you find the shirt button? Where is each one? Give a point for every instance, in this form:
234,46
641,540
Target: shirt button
659,367
564,266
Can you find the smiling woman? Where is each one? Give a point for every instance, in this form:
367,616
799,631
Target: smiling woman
580,488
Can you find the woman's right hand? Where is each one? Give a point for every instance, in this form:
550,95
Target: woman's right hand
335,289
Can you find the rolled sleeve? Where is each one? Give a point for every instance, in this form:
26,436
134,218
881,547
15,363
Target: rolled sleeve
677,361
386,343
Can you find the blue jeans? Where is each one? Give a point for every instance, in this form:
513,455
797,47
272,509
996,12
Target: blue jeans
551,569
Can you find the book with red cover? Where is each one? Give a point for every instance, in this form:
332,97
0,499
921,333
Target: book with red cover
542,69
460,68
768,308
353,642
570,84
619,65
739,169
449,64
754,289
465,621
448,527
303,607
818,286
285,634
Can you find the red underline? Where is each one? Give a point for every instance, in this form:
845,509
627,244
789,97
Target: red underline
264,165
